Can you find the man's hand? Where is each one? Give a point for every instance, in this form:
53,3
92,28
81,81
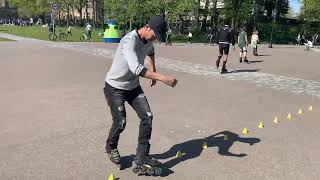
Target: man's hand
170,81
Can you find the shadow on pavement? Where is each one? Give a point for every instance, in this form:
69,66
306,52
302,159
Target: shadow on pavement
254,61
193,148
264,55
244,70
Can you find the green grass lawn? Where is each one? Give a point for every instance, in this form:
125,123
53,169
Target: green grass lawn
38,32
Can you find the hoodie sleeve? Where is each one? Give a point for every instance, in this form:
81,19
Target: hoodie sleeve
130,55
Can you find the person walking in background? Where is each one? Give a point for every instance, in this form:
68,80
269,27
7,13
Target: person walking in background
243,44
69,31
89,30
298,39
254,42
315,39
210,35
189,38
168,38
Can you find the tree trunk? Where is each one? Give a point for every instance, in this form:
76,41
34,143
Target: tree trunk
94,12
198,14
214,13
68,15
181,25
86,9
42,18
73,18
80,12
205,14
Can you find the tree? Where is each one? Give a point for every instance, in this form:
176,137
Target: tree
66,7
282,7
32,8
239,11
79,5
310,10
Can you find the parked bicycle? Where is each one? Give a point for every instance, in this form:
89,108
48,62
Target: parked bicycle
84,37
62,36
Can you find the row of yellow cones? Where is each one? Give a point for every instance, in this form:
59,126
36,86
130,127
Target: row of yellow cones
226,138
246,131
276,120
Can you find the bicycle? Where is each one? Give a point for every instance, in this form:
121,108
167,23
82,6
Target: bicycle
62,36
84,37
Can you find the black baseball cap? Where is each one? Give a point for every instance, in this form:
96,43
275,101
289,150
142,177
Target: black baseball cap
159,25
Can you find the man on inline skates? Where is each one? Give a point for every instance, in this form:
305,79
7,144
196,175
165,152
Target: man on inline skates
122,84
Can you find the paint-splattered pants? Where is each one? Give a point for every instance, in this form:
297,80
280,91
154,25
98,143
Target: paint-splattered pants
116,99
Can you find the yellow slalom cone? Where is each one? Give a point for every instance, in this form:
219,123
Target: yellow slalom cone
226,138
111,177
205,145
289,116
261,125
300,112
179,154
245,131
276,120
310,108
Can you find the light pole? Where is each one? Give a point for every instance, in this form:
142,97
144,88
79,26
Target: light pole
274,12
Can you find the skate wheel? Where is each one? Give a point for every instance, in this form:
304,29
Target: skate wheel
158,171
136,170
150,171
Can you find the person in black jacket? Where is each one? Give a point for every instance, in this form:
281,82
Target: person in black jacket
225,37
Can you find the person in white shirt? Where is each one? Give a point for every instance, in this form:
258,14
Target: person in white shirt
189,37
89,30
69,31
308,45
254,42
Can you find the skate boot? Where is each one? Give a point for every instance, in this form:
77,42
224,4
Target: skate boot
147,165
224,70
240,59
246,60
218,61
115,157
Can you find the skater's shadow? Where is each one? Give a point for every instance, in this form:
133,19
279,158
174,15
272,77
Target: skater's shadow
251,62
193,148
244,70
263,55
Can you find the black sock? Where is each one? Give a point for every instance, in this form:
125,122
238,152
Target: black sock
224,65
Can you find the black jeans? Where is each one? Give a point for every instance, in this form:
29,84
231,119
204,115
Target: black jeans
116,100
